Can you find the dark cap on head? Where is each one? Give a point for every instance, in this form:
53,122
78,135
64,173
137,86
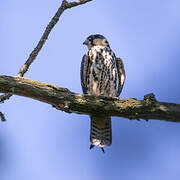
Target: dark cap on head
96,40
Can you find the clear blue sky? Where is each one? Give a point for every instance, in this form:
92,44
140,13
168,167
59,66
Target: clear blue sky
40,142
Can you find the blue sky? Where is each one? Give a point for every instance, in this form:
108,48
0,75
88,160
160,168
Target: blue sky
40,142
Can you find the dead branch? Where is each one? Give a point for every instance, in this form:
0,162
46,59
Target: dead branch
2,117
65,5
67,101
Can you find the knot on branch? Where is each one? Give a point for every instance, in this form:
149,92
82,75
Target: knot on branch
150,98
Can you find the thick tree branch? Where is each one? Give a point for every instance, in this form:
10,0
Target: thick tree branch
64,5
67,101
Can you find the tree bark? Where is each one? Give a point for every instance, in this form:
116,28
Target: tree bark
65,100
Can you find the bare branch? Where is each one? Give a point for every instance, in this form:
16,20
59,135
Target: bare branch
5,97
64,5
67,101
2,117
75,3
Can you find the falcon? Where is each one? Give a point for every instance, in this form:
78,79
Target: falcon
101,74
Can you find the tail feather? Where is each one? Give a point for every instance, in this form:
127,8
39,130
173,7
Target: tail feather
101,133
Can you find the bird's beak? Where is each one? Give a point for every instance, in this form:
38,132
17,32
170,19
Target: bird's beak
85,42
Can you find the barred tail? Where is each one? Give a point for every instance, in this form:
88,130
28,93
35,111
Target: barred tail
101,133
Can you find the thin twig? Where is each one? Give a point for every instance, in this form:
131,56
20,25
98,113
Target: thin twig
2,117
75,3
64,5
5,96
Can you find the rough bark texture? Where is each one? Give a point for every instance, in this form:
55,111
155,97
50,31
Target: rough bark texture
67,101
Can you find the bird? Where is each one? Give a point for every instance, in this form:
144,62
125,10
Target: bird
102,74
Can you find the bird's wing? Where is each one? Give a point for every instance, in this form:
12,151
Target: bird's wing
121,74
84,72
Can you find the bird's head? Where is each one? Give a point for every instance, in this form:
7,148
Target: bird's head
96,40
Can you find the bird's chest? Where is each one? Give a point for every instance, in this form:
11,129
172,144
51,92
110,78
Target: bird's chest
102,73
101,61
